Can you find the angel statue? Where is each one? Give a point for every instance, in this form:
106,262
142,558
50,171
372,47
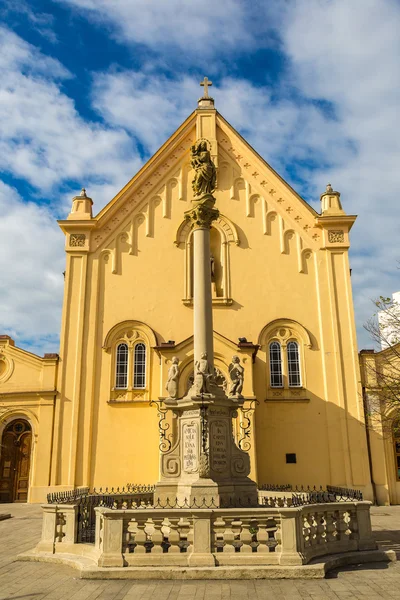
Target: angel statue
173,378
205,178
236,371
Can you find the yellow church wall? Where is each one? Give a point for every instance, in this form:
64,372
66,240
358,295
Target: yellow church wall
28,391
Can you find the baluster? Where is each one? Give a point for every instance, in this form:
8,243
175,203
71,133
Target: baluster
253,529
330,526
156,535
346,519
61,522
271,531
218,538
320,531
237,529
140,536
353,525
229,537
246,537
173,536
262,536
306,531
341,525
185,531
313,529
130,535
277,536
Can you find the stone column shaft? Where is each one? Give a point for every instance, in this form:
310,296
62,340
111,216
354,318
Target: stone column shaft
202,303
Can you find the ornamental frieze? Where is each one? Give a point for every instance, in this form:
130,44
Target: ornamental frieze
77,240
336,236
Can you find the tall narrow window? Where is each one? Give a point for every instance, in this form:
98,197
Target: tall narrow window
293,364
275,364
139,369
121,376
396,444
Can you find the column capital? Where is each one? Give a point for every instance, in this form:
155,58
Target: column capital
203,213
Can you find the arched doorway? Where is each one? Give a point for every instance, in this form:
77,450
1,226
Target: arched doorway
15,459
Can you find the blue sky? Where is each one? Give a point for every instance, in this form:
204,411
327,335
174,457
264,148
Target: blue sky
89,89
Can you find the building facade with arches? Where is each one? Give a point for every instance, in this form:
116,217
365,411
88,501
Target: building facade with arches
282,302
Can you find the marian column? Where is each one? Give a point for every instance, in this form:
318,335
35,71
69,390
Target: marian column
201,217
203,464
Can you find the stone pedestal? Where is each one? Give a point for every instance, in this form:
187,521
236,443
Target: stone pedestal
205,467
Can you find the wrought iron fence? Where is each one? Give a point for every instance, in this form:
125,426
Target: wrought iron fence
69,497
301,495
318,494
345,492
87,500
271,487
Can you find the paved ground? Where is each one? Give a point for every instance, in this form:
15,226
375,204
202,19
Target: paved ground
35,581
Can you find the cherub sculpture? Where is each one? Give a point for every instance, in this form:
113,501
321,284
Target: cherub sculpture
205,178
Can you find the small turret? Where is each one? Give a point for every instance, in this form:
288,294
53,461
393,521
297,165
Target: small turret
330,202
81,207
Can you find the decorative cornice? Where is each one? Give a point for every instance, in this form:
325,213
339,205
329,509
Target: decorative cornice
31,393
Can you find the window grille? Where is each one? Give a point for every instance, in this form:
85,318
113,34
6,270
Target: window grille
396,444
139,371
293,364
121,378
275,364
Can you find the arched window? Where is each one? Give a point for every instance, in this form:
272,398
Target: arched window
293,364
396,445
139,366
121,374
275,364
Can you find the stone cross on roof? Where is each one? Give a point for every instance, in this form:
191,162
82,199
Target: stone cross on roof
205,83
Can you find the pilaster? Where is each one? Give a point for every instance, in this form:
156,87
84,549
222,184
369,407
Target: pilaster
206,126
70,378
345,418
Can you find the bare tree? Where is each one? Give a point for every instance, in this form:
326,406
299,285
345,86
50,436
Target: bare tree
381,369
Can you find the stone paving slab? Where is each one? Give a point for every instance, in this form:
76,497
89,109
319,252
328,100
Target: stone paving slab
37,581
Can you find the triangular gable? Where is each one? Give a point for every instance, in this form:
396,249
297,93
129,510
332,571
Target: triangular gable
169,168
262,181
149,183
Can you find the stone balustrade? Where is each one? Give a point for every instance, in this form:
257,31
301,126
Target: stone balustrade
59,528
212,537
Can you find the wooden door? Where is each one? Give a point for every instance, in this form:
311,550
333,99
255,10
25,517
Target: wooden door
15,458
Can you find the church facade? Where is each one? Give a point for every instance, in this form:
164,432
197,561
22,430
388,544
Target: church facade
282,303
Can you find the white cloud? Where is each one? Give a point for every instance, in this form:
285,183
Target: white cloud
197,29
31,265
149,107
346,53
43,139
45,142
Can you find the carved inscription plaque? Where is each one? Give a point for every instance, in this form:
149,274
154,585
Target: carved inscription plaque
190,440
219,446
